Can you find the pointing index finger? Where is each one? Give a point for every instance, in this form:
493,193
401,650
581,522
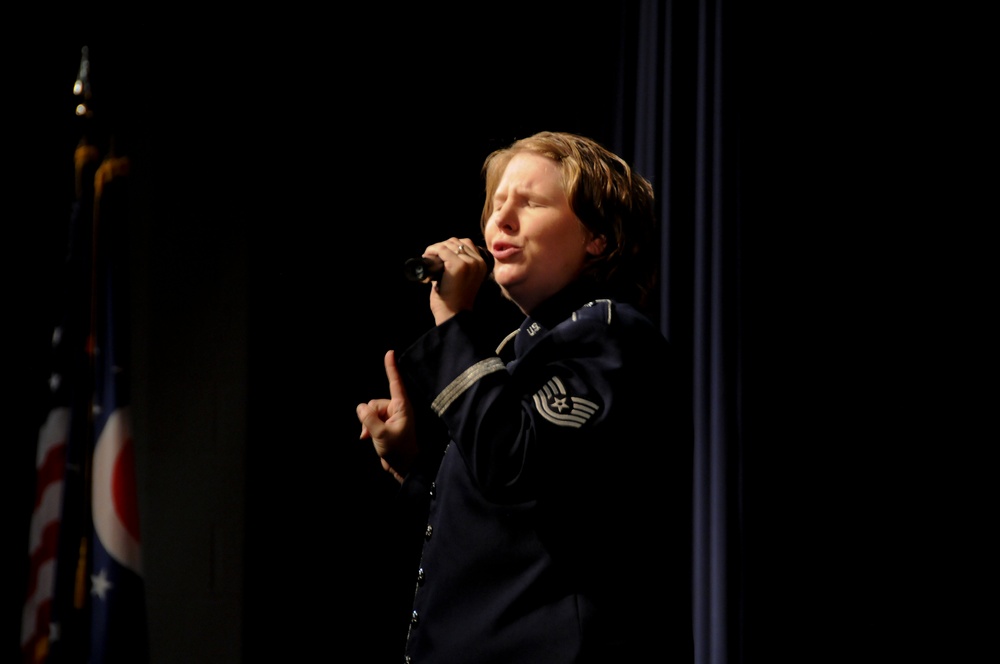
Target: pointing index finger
396,388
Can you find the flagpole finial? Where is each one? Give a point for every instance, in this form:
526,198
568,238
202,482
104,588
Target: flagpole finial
81,87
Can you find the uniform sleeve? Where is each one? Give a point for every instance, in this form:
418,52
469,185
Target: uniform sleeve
414,495
555,412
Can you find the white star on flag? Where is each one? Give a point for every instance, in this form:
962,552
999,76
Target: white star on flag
101,585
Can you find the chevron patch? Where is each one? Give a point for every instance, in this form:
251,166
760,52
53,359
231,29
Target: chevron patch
554,404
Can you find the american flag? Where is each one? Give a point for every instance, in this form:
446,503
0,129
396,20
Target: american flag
85,593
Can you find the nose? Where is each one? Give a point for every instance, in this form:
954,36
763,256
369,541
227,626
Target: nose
505,217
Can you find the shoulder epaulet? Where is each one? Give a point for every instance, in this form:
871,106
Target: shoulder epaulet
600,309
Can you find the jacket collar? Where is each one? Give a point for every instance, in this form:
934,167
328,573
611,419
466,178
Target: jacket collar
551,312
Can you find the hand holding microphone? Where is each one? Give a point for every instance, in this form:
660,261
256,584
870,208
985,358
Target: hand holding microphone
430,268
458,268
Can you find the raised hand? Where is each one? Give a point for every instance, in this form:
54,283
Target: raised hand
389,423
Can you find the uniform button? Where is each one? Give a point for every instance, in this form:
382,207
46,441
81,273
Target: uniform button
414,619
420,576
433,489
407,660
429,531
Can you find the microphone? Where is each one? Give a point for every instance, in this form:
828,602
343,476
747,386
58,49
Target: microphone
424,268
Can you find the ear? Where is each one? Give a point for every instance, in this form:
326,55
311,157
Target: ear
597,245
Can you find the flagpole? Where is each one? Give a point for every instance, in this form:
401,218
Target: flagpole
86,596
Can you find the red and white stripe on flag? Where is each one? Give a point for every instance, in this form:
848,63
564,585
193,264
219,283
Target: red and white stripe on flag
50,466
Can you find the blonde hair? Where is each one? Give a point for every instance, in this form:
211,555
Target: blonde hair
609,198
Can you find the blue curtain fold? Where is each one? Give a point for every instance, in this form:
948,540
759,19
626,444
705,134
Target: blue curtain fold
676,122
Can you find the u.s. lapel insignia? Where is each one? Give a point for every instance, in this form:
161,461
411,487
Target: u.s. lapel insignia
554,404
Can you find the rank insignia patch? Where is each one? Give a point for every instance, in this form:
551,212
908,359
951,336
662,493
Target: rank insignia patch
554,404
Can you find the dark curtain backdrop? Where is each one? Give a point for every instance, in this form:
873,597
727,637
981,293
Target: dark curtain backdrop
677,121
813,164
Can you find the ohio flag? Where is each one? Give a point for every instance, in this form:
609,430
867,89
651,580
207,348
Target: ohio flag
85,595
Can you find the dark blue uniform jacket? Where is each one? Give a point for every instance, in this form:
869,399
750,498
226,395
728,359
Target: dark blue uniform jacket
556,519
